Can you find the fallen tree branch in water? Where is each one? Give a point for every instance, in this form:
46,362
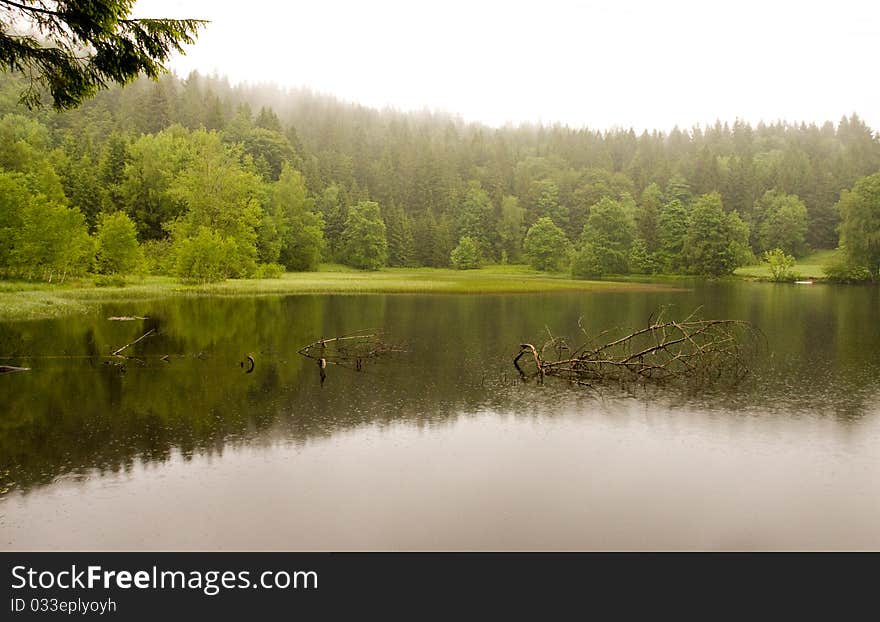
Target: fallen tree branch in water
354,350
119,351
11,369
663,351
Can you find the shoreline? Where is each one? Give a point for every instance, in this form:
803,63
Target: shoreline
26,300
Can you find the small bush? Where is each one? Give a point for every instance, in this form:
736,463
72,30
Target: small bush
465,256
844,272
780,265
269,271
158,257
203,258
109,280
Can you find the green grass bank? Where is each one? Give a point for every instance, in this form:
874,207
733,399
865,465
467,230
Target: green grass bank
24,300
809,267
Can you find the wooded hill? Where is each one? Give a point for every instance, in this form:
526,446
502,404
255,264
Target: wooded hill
250,176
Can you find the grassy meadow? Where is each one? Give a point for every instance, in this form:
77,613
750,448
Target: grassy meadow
26,300
809,267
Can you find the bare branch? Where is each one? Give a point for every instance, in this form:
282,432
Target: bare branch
694,349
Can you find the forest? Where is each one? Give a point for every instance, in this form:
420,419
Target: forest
204,180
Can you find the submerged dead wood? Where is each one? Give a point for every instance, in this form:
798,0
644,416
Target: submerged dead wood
352,350
11,369
119,351
663,351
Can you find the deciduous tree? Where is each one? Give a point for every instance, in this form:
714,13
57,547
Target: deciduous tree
117,247
860,223
715,240
546,246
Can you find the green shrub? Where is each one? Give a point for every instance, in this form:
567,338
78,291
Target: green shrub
780,265
465,256
158,257
109,280
846,272
269,271
117,246
203,258
586,262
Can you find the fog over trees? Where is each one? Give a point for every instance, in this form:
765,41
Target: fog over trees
218,181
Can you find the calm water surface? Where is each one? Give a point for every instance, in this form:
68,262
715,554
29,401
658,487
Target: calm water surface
440,447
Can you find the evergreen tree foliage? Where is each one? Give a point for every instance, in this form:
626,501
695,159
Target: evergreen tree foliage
783,223
332,208
587,262
673,229
678,189
648,217
144,189
609,232
72,49
641,259
81,185
545,197
364,244
401,242
112,167
511,229
715,240
474,218
438,179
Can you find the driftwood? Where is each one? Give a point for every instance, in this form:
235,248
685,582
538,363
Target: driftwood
119,351
663,351
352,350
11,369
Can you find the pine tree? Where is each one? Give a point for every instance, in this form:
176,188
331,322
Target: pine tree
673,228
648,216
112,167
715,240
364,244
401,243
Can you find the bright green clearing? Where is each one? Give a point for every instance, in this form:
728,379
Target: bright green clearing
22,300
807,267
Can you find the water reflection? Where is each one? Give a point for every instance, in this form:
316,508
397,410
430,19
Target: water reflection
77,427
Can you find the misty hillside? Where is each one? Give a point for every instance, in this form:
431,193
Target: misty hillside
438,178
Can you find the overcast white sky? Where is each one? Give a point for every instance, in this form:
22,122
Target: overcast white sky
600,64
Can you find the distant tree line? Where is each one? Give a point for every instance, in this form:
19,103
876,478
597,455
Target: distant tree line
203,180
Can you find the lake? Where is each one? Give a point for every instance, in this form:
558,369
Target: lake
441,446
